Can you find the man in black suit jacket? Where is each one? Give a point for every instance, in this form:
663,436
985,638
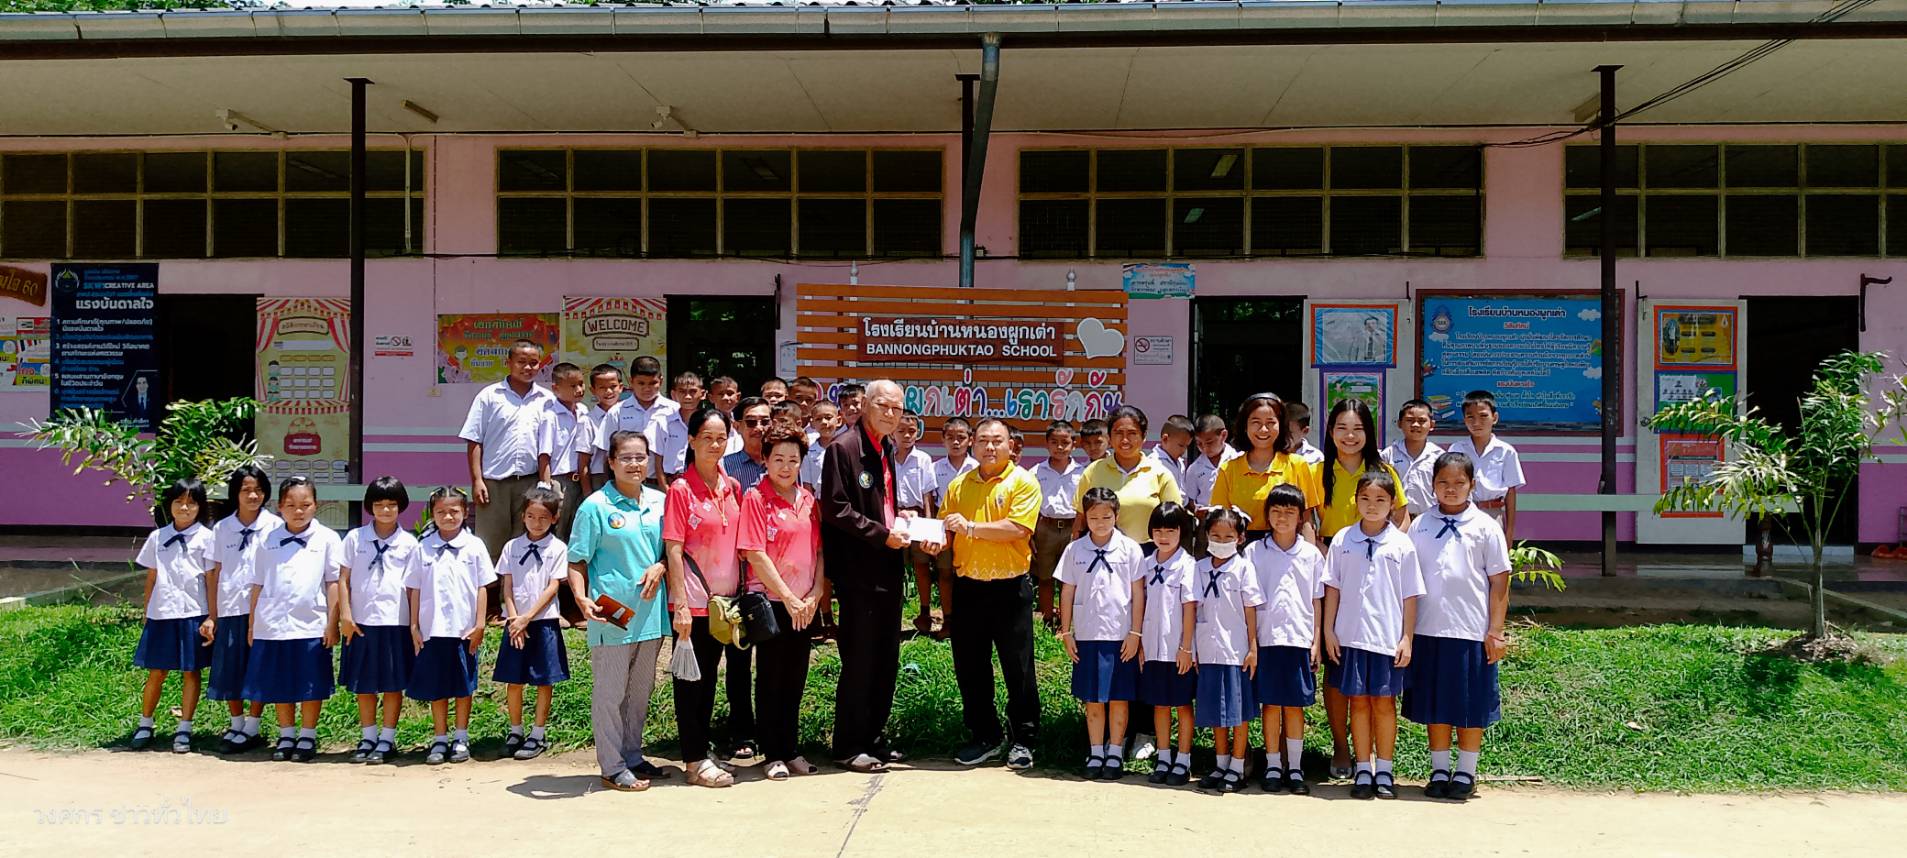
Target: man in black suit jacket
861,552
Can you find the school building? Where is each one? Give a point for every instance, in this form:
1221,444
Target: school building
1332,193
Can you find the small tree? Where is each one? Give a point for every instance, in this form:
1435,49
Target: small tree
198,439
1769,472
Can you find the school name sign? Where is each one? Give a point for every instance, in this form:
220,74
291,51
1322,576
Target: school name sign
919,339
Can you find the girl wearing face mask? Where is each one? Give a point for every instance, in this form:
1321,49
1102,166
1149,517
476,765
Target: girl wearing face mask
1228,601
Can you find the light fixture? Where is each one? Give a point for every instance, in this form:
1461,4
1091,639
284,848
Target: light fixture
1587,111
1586,215
1224,166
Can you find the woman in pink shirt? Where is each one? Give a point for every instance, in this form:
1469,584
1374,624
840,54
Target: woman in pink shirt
700,520
781,540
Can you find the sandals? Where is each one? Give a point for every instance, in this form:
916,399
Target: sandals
800,765
1438,785
1386,786
141,737
650,771
439,752
1095,766
864,764
181,742
530,749
282,751
380,753
776,771
363,753
1462,786
304,750
1364,786
626,781
1181,774
745,749
707,773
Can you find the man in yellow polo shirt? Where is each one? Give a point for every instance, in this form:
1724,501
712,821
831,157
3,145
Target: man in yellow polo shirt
990,515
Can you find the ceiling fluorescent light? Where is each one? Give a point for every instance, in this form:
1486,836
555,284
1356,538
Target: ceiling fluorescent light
1193,215
1224,166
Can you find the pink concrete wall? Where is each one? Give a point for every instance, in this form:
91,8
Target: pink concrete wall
411,421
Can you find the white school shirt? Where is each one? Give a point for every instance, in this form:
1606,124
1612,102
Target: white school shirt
1102,591
1290,580
1201,474
561,433
630,416
669,437
505,424
180,558
238,558
449,581
530,572
944,474
1310,453
913,480
1057,488
1459,554
1168,591
1173,466
1498,467
1417,473
598,457
378,595
1223,594
1374,575
735,441
292,604
810,474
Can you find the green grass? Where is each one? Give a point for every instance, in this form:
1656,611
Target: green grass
1673,707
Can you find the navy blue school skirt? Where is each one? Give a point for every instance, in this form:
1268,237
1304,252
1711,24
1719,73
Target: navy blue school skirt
543,660
379,661
1362,673
1222,695
1451,682
1285,677
172,645
1161,684
1100,677
446,669
288,671
230,653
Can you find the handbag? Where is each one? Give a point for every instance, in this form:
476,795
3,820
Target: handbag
725,616
758,619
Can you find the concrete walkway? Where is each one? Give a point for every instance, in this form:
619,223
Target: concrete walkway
155,803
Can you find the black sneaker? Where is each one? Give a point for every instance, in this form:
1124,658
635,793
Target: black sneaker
1020,758
976,753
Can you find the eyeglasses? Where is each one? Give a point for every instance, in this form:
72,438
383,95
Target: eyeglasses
757,421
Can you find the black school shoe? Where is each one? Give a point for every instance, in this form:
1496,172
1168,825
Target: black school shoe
1439,785
1160,771
1233,782
363,753
141,737
1272,781
1462,786
1386,786
1214,780
1294,781
382,753
282,751
1114,770
511,742
304,750
1364,785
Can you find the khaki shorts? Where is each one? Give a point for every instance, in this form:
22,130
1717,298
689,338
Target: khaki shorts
1050,539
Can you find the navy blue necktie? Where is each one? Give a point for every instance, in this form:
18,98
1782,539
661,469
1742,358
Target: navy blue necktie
1099,560
535,551
245,537
1370,547
1449,527
377,562
302,541
1158,575
175,540
1211,586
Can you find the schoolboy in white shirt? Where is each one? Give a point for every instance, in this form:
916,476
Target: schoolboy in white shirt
1499,470
1413,455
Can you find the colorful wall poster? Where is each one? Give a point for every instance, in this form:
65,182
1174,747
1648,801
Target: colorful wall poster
1695,337
1159,279
105,338
303,388
1540,354
1688,459
474,348
614,331
1339,385
26,351
1353,335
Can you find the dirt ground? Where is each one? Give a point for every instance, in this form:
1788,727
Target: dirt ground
155,803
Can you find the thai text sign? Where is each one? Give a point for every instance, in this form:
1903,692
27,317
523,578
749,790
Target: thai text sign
919,339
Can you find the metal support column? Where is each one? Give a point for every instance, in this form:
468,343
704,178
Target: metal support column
1611,315
976,126
358,343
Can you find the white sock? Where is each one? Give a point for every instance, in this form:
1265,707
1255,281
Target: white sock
463,735
1382,765
1440,761
145,721
308,733
536,733
1294,751
1224,763
287,732
368,732
441,738
516,729
1238,765
1467,762
1364,768
251,726
185,726
238,723
1274,762
1165,757
387,734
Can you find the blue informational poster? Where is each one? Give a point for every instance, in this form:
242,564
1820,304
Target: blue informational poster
104,336
1541,355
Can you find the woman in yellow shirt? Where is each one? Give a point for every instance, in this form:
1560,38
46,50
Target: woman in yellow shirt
1271,459
1352,434
1138,479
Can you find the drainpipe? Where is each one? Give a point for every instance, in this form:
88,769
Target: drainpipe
976,126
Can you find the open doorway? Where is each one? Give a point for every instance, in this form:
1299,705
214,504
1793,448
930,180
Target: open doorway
714,336
1788,337
1241,346
206,346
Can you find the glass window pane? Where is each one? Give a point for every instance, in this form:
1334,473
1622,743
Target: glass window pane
531,226
1446,226
907,171
105,229
1125,170
1367,167
1763,167
175,173
530,170
1897,167
1842,225
1287,168
33,230
384,170
384,226
1582,166
833,228
321,171
756,227
33,174
681,226
1681,166
1208,226
1446,167
1682,226
907,227
1128,229
1763,225
246,172
244,228
757,170
606,170
833,171
106,172
174,229
1582,225
607,226
682,170
1053,229
1055,171
1365,226
1287,226
1844,166
320,228
1209,170
1897,225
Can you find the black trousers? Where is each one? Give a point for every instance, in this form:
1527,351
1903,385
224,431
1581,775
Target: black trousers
695,701
741,693
990,617
870,640
783,674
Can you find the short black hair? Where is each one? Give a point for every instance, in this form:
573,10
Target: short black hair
786,408
747,402
184,487
1177,423
1060,426
683,378
1459,461
723,381
455,493
1298,413
1094,428
620,436
1096,496
1209,423
1283,495
526,344
298,481
1414,403
1380,478
646,366
1127,412
565,370
1229,515
961,422
847,389
387,488
602,369
546,498
1480,397
774,380
1172,516
909,415
236,481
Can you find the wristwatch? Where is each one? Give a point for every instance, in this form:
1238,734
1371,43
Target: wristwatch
969,530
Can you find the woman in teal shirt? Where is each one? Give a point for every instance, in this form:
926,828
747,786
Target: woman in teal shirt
615,550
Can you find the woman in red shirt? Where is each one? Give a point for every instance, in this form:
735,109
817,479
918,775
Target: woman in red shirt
781,540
